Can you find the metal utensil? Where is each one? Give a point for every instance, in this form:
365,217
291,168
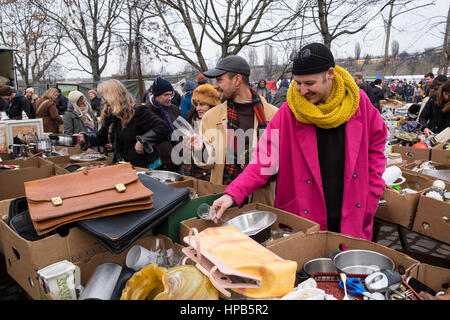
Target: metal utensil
164,176
344,281
323,265
256,224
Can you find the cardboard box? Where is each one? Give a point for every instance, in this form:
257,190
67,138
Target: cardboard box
411,154
436,278
204,191
439,166
88,266
439,155
11,181
6,156
433,219
401,209
24,258
304,247
284,219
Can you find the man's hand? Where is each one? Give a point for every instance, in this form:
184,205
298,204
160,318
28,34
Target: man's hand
220,205
80,138
139,148
196,143
427,131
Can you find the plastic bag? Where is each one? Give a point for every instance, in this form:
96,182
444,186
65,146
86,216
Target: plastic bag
184,282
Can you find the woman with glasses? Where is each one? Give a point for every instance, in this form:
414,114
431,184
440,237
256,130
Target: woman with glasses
122,125
79,116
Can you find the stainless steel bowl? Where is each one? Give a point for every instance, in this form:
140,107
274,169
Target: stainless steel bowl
324,265
164,176
362,262
256,224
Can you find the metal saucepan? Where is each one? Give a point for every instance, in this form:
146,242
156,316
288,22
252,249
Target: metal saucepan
164,176
65,140
323,265
361,261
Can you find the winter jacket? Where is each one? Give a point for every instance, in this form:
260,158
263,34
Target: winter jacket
166,145
46,109
61,103
213,129
18,104
299,183
280,97
73,123
124,140
433,118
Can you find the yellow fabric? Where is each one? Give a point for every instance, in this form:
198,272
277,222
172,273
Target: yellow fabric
177,283
338,109
241,253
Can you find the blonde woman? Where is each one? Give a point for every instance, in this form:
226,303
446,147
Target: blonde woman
122,125
46,109
79,116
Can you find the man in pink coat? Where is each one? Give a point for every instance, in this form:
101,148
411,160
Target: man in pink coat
327,145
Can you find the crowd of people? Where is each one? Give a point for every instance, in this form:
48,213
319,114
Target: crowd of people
322,132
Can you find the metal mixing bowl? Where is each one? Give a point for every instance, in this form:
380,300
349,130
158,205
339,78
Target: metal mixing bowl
256,224
362,262
164,176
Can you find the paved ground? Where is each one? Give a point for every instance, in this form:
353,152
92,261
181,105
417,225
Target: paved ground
387,236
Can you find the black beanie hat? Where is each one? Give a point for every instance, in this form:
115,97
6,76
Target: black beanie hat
160,86
312,58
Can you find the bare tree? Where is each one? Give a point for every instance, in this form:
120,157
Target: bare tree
395,64
445,54
88,26
137,18
334,19
36,38
230,25
397,8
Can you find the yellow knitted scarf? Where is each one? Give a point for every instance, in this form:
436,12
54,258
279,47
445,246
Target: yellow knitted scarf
338,109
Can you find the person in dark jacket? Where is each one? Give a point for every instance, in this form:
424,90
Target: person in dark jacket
61,102
19,104
160,104
186,104
204,98
280,96
435,116
358,76
96,103
124,124
79,116
264,91
5,99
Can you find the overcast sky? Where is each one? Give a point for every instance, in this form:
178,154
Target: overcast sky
415,31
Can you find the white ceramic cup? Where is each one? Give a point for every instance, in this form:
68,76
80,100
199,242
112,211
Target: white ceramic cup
139,257
61,279
393,176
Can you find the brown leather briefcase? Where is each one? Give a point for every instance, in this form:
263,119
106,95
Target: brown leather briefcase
86,194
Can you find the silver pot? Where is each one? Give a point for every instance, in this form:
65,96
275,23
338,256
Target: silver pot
323,265
361,261
65,140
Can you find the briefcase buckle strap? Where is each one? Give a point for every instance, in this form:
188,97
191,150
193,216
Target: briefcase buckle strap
120,187
57,201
